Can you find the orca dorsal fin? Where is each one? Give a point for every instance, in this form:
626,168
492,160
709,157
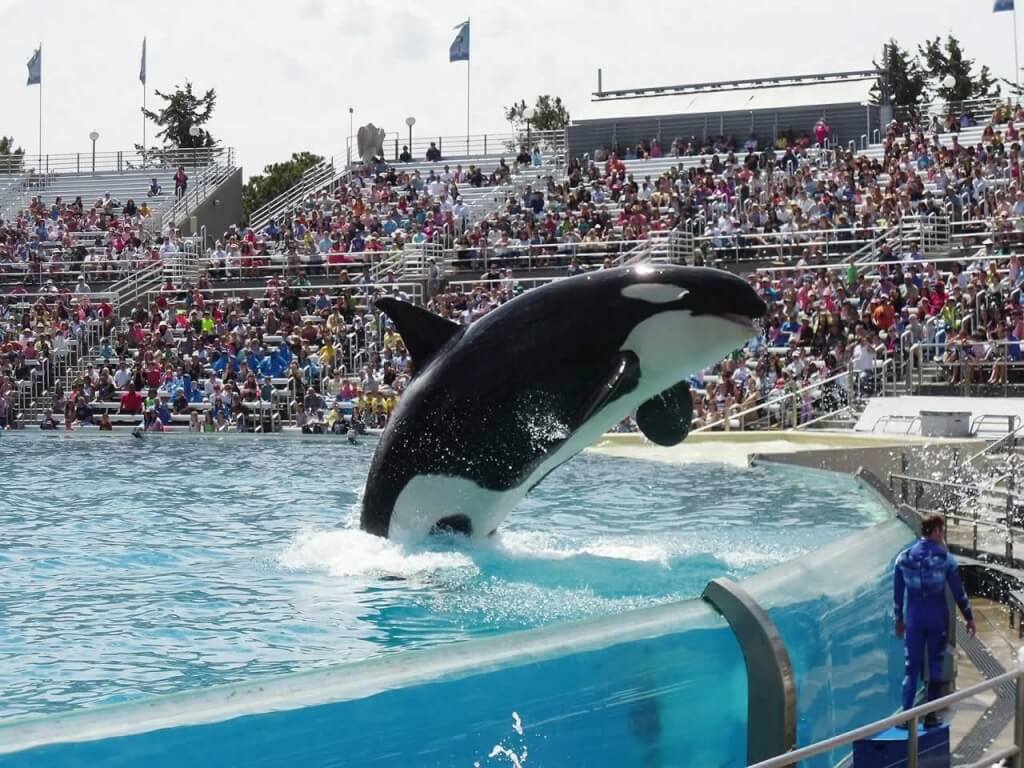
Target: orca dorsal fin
422,332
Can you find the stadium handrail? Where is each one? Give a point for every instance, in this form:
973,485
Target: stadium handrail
118,161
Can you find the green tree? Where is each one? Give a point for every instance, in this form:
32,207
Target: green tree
901,77
947,58
11,159
275,179
550,114
181,110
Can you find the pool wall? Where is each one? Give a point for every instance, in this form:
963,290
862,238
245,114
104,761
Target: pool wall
654,687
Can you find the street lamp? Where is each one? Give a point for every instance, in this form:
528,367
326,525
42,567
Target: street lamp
410,121
194,131
350,113
528,114
93,135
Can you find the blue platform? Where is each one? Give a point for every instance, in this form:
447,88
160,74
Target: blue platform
889,749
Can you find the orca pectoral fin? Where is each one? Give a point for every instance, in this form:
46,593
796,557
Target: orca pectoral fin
665,418
620,379
422,332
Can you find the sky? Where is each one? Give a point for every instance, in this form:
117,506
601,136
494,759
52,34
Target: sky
286,73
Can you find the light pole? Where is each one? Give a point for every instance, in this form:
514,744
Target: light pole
351,112
528,114
949,83
410,121
93,135
194,131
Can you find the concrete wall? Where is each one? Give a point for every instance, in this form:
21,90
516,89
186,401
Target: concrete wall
848,121
220,210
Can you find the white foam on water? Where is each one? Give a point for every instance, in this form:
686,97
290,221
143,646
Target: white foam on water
538,545
732,454
352,552
661,550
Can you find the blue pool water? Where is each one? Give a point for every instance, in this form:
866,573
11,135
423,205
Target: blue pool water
133,568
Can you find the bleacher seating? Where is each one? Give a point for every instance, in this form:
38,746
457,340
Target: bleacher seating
847,246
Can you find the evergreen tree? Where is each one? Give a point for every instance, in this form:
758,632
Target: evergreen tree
901,77
550,114
942,59
181,110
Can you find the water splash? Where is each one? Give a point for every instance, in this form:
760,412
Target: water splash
516,756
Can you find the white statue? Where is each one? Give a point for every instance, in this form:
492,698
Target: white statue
371,142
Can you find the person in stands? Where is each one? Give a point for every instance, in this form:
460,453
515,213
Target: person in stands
180,181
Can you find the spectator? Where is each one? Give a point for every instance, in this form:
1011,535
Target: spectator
180,182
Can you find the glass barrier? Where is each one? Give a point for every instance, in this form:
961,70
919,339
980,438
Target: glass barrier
833,609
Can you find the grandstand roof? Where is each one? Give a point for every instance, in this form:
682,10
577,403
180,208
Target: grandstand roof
739,100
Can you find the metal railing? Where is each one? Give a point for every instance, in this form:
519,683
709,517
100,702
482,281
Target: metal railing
960,495
786,407
911,718
313,180
209,178
475,145
37,167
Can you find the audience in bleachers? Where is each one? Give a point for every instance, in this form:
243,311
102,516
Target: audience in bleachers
848,299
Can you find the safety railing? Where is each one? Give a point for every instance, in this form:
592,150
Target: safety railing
39,166
363,292
312,181
786,409
208,180
949,363
1006,442
832,242
912,718
136,285
949,497
474,145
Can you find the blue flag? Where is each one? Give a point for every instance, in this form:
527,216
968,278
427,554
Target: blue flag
142,67
35,68
1002,5
459,50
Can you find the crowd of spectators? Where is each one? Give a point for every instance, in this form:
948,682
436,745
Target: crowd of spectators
206,361
53,241
322,356
381,208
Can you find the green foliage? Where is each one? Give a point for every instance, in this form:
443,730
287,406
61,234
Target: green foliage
11,159
551,114
901,77
275,179
181,110
947,58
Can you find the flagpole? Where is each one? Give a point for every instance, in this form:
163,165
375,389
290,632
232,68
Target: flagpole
143,75
468,64
40,108
1016,58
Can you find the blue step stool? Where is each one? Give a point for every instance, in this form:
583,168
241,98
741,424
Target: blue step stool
889,749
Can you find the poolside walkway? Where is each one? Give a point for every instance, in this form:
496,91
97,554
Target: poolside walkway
1002,644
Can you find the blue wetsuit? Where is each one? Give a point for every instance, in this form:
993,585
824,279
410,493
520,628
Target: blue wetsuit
922,573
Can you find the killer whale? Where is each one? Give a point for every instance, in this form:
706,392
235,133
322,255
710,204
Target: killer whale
493,407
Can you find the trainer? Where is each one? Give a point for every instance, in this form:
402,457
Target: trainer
922,573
